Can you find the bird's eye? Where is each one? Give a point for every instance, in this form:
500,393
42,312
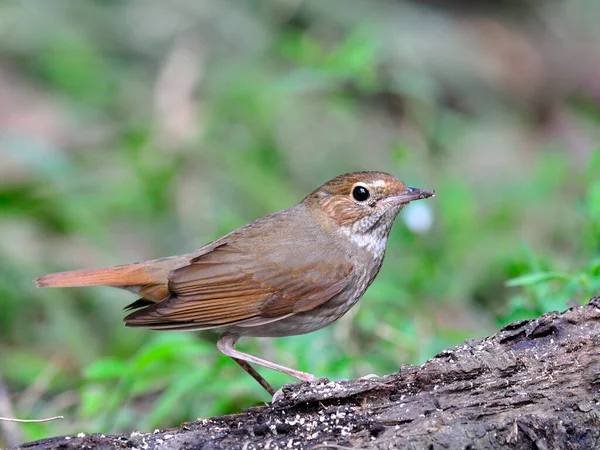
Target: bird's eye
360,193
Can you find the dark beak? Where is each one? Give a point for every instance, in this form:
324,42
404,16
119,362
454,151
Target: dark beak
410,194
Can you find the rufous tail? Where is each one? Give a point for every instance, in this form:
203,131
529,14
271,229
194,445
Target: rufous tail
149,279
127,275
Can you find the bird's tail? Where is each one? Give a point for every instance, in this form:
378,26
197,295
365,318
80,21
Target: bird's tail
149,278
127,275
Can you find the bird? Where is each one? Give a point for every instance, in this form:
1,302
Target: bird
289,273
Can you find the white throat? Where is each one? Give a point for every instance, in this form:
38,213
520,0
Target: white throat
371,232
373,242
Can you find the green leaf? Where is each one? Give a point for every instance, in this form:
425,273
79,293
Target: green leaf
106,369
166,347
534,278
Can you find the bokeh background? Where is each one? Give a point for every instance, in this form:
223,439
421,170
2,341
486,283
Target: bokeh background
136,129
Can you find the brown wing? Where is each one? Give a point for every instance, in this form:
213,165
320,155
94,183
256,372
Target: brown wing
231,286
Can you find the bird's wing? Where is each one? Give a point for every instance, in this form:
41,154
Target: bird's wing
230,286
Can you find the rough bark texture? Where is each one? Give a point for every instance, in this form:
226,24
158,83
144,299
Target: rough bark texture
535,384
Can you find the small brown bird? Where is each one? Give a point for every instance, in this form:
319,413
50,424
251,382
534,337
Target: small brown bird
289,273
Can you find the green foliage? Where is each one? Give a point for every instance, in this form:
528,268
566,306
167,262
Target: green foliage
171,364
545,290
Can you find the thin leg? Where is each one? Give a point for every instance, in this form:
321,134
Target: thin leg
257,376
226,344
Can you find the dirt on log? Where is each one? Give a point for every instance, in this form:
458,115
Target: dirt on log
535,384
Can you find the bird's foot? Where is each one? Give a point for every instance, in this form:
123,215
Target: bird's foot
278,396
308,377
302,376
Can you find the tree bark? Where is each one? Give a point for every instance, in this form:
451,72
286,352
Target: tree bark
534,384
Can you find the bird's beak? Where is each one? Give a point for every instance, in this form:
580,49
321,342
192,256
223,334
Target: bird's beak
410,194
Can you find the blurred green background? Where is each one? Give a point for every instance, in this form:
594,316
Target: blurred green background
131,130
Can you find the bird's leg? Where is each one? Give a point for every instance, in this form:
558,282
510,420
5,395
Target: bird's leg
226,344
257,376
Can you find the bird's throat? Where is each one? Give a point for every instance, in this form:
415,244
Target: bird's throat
373,242
374,237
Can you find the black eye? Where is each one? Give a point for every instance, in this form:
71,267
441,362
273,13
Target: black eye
360,193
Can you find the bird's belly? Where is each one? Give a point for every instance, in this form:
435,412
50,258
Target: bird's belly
302,323
315,319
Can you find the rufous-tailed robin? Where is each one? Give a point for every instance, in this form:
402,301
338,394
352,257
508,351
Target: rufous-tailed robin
289,273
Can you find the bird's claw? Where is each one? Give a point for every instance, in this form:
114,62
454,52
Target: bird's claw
278,396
